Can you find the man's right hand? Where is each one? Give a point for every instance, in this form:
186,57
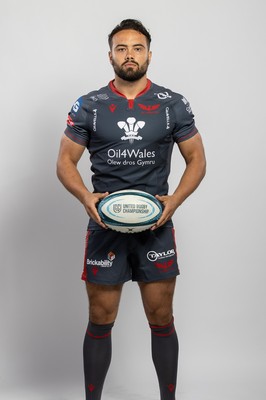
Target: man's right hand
90,201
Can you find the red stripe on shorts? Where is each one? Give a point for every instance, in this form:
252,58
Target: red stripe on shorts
84,272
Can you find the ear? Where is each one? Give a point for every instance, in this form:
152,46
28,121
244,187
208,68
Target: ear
110,56
150,56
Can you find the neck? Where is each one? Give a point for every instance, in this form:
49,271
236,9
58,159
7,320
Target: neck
130,89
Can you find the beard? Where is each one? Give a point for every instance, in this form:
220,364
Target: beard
130,74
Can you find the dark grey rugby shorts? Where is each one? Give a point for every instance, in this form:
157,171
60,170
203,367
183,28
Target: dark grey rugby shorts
113,257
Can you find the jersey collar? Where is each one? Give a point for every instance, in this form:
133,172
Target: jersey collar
145,90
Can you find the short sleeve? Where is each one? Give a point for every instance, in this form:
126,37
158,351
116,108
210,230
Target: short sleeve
77,122
185,125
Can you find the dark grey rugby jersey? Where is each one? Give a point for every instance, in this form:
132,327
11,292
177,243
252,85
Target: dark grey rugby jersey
130,141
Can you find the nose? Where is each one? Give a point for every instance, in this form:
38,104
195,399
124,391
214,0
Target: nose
129,55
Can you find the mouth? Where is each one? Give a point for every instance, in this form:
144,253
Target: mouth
130,64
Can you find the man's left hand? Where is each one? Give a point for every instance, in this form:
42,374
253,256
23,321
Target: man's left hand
170,204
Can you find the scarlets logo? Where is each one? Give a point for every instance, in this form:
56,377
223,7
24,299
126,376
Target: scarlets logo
149,109
164,267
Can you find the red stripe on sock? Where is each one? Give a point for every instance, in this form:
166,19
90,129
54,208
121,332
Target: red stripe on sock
164,334
162,326
98,336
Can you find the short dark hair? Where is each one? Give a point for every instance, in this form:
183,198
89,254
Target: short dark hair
133,24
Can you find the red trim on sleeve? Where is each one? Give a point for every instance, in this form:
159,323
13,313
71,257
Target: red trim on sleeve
75,138
188,136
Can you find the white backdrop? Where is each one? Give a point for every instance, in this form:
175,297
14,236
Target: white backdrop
213,52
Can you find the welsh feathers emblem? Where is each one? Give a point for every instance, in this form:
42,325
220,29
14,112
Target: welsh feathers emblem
131,127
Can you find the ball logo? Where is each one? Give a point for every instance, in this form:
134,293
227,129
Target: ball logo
117,208
154,256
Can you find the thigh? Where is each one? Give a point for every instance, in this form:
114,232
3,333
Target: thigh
157,298
105,261
103,302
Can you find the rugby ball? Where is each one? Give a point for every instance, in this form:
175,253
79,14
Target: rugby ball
130,211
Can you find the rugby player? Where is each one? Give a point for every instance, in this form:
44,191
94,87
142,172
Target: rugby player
129,128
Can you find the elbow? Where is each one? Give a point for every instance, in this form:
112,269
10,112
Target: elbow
204,168
59,169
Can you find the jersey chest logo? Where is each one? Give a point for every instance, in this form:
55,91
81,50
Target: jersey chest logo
131,129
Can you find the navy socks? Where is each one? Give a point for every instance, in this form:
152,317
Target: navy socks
165,358
97,352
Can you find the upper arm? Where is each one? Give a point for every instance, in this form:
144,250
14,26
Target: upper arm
192,149
70,151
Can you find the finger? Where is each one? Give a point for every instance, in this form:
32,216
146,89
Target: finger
103,195
160,222
100,196
98,220
160,198
96,217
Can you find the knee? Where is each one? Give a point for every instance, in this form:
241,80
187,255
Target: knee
101,315
159,315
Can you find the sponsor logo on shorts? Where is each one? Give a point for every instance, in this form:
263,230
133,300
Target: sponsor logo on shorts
111,256
102,263
154,256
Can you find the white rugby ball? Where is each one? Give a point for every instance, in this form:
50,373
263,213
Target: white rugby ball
130,211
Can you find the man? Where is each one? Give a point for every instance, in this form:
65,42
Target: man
100,121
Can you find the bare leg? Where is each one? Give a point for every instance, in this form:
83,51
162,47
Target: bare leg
157,298
103,302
